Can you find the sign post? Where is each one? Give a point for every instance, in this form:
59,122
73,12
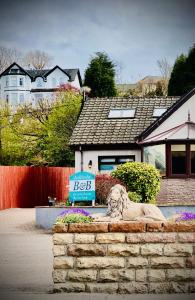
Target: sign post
82,187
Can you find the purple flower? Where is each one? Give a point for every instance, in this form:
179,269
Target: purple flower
186,216
74,211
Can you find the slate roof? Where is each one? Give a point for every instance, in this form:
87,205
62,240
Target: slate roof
95,128
43,73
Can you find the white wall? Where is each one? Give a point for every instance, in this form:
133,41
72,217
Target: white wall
179,117
93,155
76,82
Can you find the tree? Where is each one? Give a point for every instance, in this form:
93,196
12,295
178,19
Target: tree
165,70
40,135
177,79
183,75
99,76
189,79
37,59
8,56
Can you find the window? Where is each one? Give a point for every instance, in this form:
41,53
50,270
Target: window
121,113
6,81
13,80
178,159
181,160
21,98
159,111
109,163
14,98
21,81
155,155
192,159
7,98
39,82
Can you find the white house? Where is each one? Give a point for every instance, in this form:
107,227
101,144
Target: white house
18,85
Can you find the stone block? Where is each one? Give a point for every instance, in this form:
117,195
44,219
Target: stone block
108,276
100,262
181,275
155,237
190,262
187,237
126,275
152,249
167,262
69,287
116,275
178,287
155,275
141,275
110,238
84,238
123,250
60,228
86,250
179,227
133,288
59,250
178,250
59,276
108,288
126,288
136,262
127,227
154,226
91,227
191,287
62,262
160,288
62,238
82,275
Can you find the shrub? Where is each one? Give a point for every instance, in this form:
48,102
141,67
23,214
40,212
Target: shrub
142,178
135,197
103,184
74,218
74,215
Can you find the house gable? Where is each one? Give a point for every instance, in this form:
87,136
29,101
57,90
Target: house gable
176,123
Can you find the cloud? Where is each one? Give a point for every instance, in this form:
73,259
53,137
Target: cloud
133,32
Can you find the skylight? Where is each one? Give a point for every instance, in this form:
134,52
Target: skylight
121,113
158,111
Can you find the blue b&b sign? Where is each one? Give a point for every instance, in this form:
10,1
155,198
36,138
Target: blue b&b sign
82,187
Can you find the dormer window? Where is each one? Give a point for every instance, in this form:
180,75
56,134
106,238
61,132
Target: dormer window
121,113
158,111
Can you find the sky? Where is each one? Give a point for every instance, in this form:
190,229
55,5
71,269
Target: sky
134,33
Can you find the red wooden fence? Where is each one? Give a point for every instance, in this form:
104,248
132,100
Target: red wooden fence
31,186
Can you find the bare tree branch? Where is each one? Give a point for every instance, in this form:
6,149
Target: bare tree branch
37,59
8,56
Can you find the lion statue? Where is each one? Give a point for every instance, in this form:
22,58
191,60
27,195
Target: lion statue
120,207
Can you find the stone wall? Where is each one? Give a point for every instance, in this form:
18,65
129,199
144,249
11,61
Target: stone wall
125,257
175,190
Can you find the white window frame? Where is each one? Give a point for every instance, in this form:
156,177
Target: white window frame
158,111
121,113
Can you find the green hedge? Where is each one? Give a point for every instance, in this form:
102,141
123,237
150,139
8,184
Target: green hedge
142,178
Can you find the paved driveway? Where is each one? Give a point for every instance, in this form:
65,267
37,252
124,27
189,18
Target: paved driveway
25,253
